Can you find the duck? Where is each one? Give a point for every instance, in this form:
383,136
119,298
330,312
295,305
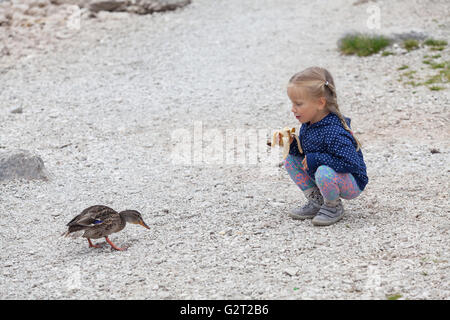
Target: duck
100,221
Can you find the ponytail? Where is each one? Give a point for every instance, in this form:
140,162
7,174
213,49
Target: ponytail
333,107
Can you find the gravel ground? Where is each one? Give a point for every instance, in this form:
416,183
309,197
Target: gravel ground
101,108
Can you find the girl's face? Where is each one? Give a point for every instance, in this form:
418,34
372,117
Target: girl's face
304,107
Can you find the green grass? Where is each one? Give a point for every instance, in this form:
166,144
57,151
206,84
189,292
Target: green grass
438,65
410,44
413,83
362,44
442,77
435,43
445,74
386,53
434,79
394,296
409,75
435,82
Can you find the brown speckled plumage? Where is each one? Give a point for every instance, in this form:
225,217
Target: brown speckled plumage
100,221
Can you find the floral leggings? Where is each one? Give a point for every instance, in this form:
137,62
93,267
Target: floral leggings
331,184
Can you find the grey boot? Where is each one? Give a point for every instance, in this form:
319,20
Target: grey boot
310,209
329,213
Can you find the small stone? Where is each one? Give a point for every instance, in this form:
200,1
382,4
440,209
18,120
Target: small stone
434,150
290,271
277,203
226,232
17,110
21,164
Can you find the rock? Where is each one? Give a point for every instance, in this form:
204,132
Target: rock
226,232
417,35
39,3
290,271
434,150
138,6
80,3
21,164
3,19
17,110
108,6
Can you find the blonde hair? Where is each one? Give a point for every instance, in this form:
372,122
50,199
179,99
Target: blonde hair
318,82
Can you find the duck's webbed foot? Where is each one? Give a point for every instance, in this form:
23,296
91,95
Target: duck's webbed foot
91,245
114,246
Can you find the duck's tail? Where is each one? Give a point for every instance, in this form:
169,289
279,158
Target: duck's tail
65,234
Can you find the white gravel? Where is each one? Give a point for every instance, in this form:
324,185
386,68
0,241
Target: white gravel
99,108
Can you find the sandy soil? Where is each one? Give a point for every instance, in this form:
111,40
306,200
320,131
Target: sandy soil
105,108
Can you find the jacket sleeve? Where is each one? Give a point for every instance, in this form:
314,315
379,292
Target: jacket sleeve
340,156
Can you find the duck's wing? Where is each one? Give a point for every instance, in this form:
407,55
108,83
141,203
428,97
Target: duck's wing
93,215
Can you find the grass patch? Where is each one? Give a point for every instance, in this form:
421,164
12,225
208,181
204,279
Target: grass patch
438,65
442,77
445,74
403,67
409,74
437,48
434,79
426,61
362,45
386,53
413,83
435,56
435,43
394,296
410,44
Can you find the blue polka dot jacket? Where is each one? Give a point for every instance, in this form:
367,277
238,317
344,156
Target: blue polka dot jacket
326,142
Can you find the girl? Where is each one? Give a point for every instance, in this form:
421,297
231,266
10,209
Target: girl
332,165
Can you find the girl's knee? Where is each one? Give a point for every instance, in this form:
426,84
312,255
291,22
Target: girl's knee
323,173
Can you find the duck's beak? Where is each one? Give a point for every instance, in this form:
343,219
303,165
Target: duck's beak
142,223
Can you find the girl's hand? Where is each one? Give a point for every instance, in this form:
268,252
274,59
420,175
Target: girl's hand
305,163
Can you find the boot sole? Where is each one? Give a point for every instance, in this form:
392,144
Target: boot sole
326,223
298,217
